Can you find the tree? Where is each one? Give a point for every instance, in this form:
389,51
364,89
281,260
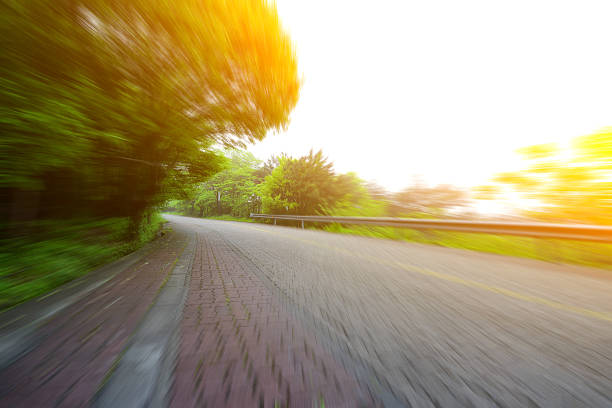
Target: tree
235,185
110,106
231,191
306,186
269,165
428,200
360,198
576,186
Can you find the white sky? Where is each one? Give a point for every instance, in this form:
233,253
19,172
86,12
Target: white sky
447,90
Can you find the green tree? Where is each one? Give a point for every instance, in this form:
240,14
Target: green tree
269,165
306,186
360,198
108,107
231,191
236,185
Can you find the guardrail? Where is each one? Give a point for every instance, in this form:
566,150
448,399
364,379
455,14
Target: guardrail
578,232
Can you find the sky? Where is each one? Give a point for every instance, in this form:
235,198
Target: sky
443,91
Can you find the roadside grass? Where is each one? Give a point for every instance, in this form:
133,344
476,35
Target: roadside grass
592,254
225,217
49,253
230,218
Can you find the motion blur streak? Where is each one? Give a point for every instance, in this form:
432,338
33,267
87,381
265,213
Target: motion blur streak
124,123
108,108
222,314
573,183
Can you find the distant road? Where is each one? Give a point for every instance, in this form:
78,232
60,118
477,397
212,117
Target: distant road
229,314
430,326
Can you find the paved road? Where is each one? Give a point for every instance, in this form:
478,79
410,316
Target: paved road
253,315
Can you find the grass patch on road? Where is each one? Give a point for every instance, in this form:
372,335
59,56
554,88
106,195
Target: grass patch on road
47,254
551,250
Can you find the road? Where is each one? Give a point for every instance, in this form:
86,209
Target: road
241,314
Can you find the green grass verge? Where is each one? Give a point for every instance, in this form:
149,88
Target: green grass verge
230,218
214,217
551,250
50,253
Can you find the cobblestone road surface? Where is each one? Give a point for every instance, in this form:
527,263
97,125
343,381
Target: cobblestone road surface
77,347
425,326
278,316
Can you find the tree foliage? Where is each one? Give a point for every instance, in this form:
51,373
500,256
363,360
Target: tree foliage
109,106
571,187
307,185
362,199
428,200
232,191
282,184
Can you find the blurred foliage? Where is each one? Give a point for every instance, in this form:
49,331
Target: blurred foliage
558,251
232,191
282,184
51,253
486,192
110,107
230,218
359,200
307,185
427,200
571,187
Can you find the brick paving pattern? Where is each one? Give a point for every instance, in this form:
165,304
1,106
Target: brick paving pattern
81,343
417,340
240,349
284,317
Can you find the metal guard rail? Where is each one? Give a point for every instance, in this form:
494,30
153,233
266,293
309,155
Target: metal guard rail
579,232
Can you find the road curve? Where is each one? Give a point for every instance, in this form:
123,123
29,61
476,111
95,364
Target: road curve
428,326
228,314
